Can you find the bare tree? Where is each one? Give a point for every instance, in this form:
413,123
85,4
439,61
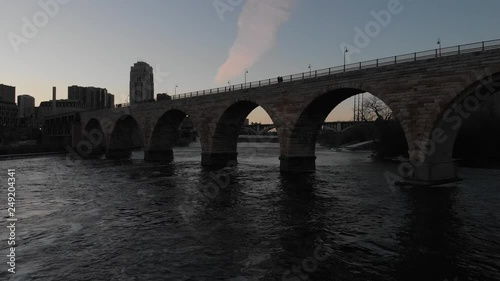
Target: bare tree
374,109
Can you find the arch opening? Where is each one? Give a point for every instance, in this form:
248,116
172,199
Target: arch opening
243,126
332,121
174,128
93,141
468,129
125,137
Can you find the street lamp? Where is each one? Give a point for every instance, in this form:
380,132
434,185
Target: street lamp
246,71
310,72
345,52
439,43
175,89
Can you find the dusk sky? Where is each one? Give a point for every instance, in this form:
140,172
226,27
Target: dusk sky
201,44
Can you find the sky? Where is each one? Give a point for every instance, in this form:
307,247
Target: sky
202,44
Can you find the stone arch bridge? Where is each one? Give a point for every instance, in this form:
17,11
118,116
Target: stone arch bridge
430,94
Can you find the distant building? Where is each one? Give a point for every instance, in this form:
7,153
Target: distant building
62,106
26,113
161,97
8,107
110,101
91,97
26,104
7,94
141,83
78,93
8,114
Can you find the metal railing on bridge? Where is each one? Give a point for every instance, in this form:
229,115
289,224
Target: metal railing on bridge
411,57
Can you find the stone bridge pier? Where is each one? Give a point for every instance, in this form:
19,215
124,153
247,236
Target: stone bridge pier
433,122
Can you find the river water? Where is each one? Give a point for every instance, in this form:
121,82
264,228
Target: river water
132,220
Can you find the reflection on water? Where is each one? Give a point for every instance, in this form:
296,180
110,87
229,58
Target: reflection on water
132,220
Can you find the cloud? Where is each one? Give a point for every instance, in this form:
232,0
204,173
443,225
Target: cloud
258,24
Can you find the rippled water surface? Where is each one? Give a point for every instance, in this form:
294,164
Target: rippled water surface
133,220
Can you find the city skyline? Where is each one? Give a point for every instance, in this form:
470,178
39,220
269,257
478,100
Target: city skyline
166,36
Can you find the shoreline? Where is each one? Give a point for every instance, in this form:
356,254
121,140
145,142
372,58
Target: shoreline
29,155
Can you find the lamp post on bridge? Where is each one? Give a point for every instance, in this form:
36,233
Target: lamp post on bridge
175,89
310,71
439,44
345,52
246,72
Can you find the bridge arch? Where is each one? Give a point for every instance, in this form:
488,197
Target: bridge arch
165,135
224,141
125,137
299,154
432,157
93,140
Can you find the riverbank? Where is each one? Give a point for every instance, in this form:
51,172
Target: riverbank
29,155
25,150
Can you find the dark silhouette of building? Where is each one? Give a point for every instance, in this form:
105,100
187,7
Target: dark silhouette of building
141,83
62,106
7,93
8,114
162,97
26,104
110,103
8,107
92,97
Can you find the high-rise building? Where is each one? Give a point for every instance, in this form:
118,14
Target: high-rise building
141,83
78,93
26,104
8,107
7,94
8,114
110,101
92,97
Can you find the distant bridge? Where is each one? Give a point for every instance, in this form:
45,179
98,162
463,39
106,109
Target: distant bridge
263,129
430,93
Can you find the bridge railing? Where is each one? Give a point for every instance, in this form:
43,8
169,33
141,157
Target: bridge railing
410,57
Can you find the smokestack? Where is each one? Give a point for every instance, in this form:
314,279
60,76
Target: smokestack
54,109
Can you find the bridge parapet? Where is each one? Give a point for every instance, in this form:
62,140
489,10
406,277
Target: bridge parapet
398,59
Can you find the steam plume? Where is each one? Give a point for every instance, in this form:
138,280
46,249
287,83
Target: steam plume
257,27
